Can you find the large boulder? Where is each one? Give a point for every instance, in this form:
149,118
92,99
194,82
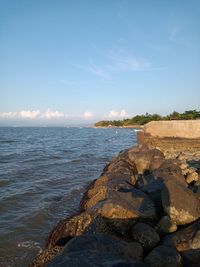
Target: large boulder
146,158
145,235
164,256
187,242
125,204
119,174
180,203
98,250
170,170
124,207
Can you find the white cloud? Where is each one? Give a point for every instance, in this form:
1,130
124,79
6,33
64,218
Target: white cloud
33,114
88,115
28,114
50,114
113,114
8,115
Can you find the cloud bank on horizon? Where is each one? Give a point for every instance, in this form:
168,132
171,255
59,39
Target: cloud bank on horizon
49,115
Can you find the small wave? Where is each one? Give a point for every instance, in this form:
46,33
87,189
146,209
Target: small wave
30,245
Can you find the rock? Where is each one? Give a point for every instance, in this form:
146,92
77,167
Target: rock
182,157
68,228
192,177
118,175
187,242
145,158
180,203
153,190
192,169
165,226
123,208
164,256
45,256
145,235
99,225
169,170
94,195
98,250
184,166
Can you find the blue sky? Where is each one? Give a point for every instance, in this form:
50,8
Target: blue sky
76,61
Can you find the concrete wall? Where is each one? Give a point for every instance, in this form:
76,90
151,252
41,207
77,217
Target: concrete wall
176,128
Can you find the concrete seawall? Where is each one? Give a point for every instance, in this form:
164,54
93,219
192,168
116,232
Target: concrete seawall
176,128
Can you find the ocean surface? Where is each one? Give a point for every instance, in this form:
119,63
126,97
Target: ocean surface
43,174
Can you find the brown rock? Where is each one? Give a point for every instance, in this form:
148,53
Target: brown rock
145,158
68,228
192,177
169,170
180,203
125,207
187,242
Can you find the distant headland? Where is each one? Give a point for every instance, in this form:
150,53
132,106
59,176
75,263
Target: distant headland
139,120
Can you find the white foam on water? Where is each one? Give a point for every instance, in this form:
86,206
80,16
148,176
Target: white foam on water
30,245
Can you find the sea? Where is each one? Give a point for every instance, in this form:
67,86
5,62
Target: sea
43,175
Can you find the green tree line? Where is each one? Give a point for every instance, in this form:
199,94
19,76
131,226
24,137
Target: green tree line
145,118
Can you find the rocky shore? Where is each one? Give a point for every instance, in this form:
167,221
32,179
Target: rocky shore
144,210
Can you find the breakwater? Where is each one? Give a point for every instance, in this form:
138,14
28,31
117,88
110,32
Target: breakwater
143,210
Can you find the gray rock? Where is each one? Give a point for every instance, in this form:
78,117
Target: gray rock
98,250
145,235
180,203
164,256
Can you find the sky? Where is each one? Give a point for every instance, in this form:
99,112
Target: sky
69,62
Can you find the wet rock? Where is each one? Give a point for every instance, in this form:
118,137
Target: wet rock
98,250
125,207
165,226
192,177
67,229
45,256
145,235
187,242
180,203
164,256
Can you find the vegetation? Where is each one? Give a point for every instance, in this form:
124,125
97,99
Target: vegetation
143,119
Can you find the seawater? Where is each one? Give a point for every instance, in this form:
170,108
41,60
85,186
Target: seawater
43,175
